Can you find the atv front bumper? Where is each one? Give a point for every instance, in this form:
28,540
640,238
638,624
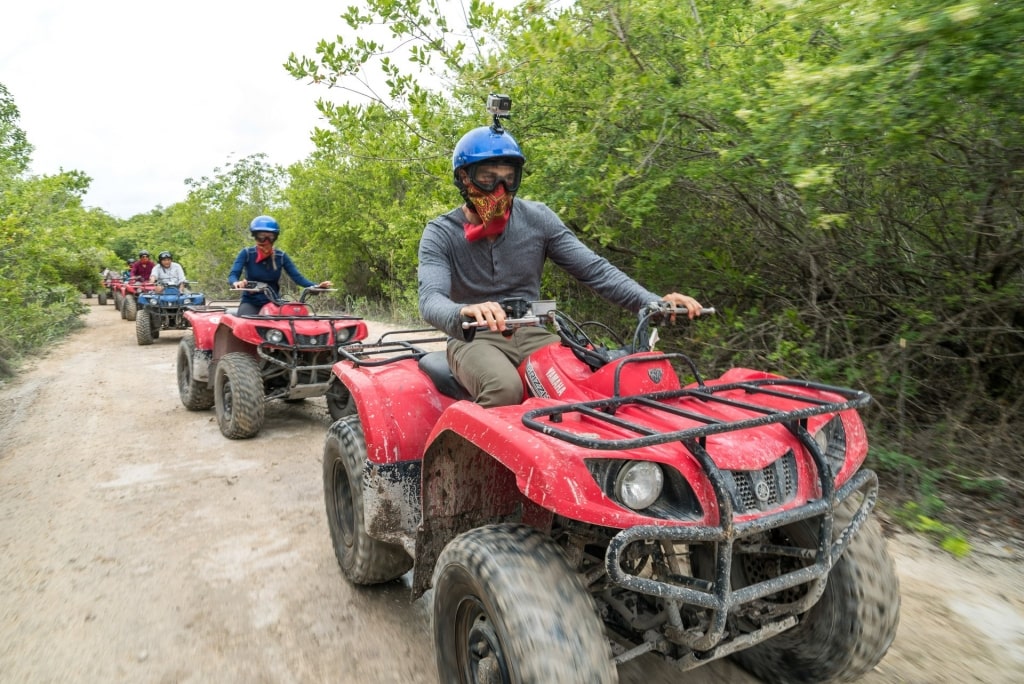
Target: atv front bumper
716,594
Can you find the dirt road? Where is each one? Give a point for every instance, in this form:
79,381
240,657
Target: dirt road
139,545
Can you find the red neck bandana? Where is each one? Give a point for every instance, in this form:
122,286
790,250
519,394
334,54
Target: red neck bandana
493,208
264,251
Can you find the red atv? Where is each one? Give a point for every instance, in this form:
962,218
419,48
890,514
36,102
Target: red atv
238,363
117,288
109,289
130,291
615,512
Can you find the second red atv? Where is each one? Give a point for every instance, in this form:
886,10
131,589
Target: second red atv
238,363
130,291
615,512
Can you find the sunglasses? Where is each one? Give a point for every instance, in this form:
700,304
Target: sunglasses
263,238
487,177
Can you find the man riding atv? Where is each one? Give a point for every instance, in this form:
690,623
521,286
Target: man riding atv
167,272
492,248
593,505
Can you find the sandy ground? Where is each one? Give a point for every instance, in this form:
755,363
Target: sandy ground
139,545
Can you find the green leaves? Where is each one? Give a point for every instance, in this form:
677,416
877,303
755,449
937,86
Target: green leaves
14,147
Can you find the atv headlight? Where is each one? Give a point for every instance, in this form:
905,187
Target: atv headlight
831,439
274,336
343,335
639,484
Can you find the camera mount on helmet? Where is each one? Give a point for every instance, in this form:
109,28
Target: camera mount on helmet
500,106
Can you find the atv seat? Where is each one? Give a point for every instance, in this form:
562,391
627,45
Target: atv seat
435,365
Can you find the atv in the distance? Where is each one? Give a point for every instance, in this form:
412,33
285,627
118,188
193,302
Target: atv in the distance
615,512
117,288
163,308
130,290
109,289
238,363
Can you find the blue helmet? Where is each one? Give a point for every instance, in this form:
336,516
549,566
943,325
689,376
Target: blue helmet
484,143
264,224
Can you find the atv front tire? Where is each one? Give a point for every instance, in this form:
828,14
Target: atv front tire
507,607
238,396
363,559
101,298
129,308
144,328
339,400
196,395
848,631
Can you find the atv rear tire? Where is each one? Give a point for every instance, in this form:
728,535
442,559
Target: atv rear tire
196,395
144,328
339,400
363,559
848,631
238,396
129,309
507,607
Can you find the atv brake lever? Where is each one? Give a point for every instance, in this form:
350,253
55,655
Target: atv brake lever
509,322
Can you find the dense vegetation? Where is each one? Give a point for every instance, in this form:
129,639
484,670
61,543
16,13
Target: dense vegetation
844,181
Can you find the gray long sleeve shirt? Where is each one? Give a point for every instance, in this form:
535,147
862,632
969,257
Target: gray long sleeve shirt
454,272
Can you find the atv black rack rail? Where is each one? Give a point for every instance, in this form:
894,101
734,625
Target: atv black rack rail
310,317
386,350
206,308
604,410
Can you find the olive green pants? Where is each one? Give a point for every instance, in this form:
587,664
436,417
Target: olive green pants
488,366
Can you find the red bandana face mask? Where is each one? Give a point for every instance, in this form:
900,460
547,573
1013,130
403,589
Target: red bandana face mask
264,251
493,208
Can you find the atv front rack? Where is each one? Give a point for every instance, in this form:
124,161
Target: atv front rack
715,594
604,410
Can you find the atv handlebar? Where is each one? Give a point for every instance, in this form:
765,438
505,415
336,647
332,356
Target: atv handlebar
573,335
657,309
511,323
271,293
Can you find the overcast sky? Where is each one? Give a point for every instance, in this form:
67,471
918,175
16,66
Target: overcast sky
142,95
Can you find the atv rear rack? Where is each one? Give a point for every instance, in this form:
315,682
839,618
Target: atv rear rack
388,350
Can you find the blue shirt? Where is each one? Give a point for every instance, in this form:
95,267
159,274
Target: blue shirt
267,271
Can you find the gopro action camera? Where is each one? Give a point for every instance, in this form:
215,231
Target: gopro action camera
499,105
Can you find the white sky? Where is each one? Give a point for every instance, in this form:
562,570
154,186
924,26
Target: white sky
141,95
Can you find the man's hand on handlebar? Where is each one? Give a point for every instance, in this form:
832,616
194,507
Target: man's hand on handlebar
680,301
239,285
490,314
